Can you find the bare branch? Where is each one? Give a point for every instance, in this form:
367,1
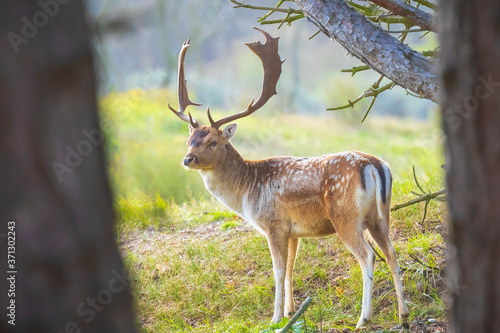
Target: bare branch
272,9
427,4
434,268
414,15
404,31
315,34
297,315
425,197
356,69
416,181
389,19
288,19
369,93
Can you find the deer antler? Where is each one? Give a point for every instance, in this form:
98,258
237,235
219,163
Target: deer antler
182,93
268,54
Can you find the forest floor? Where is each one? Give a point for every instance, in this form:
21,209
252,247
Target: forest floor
215,275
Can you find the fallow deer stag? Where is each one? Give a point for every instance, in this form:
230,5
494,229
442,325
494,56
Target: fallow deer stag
287,198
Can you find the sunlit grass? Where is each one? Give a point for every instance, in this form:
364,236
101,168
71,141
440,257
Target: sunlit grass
198,270
209,275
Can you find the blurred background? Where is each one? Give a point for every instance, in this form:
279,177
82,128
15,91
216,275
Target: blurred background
137,47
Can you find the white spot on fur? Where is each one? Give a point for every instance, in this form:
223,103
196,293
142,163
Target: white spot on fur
338,185
343,179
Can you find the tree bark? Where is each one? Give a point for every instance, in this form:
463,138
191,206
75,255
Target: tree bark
373,46
470,40
66,273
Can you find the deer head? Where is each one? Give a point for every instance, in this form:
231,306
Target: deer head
208,144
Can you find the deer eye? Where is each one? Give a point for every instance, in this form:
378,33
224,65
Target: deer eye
213,143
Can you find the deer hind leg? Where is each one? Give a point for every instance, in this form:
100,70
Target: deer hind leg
380,233
293,245
356,243
278,244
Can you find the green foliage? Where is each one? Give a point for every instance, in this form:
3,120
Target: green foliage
229,225
142,212
301,326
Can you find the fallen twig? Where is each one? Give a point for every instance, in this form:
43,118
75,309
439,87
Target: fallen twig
425,197
297,314
424,264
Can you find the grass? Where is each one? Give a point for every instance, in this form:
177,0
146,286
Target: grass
197,267
208,277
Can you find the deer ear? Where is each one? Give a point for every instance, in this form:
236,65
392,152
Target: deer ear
191,129
229,131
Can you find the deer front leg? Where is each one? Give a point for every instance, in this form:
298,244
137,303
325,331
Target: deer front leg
278,244
293,244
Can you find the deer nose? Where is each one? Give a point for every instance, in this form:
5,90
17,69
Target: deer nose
188,159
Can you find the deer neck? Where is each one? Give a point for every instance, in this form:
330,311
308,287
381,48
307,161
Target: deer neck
230,180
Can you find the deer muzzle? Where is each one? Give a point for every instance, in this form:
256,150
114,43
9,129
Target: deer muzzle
190,158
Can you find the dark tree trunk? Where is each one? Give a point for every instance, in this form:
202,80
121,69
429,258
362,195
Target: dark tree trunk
67,275
470,41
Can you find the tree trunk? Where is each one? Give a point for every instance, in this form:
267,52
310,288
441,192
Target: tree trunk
374,47
470,41
66,274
